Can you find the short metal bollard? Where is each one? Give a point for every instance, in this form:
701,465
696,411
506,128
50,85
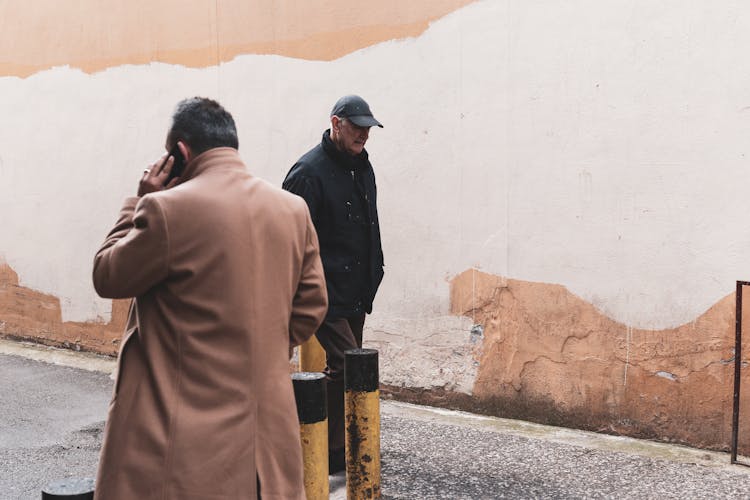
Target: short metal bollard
310,395
73,488
312,356
362,410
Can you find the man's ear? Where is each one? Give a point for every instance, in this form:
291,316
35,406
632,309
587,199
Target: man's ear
185,150
335,123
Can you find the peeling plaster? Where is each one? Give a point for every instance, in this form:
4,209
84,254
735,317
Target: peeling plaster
549,356
429,353
667,375
30,315
95,34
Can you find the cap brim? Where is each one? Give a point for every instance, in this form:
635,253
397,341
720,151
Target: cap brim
364,121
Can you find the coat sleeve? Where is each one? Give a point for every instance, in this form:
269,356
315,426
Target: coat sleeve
310,302
135,253
306,187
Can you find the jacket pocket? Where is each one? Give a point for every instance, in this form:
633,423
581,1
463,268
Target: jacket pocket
339,277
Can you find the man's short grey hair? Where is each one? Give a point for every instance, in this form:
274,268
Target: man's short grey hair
202,124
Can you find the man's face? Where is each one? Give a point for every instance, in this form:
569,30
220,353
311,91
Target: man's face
349,137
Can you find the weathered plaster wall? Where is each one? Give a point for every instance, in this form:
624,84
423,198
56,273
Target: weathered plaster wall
596,146
550,356
26,314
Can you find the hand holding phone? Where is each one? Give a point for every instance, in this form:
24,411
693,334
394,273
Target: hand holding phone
156,178
178,166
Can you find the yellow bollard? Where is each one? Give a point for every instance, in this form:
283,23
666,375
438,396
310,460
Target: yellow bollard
312,356
310,395
362,410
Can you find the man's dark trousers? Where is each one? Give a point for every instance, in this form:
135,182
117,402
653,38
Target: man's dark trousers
338,335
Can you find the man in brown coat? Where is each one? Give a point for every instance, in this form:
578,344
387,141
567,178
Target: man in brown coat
226,275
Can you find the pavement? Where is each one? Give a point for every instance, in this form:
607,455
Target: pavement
54,404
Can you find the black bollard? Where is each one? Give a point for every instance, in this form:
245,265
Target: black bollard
362,410
72,488
310,395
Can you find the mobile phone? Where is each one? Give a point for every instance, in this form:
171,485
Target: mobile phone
178,166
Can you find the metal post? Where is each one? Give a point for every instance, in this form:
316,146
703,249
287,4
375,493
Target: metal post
362,410
312,356
310,395
737,369
72,488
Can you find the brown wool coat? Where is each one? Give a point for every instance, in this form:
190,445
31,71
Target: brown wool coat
226,275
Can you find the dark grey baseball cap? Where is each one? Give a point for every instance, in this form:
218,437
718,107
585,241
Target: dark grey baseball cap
355,109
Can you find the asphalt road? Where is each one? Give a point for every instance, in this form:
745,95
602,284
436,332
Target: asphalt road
51,419
52,416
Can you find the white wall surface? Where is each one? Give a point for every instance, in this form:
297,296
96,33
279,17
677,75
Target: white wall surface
599,145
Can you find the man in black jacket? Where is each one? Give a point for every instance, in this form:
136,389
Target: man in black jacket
337,181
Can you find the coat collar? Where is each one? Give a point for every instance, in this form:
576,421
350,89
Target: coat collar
212,159
339,157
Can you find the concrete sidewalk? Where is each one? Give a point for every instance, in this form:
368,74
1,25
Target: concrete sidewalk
54,405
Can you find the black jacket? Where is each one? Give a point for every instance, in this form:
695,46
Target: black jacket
340,191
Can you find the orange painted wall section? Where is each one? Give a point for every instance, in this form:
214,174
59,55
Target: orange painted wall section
91,36
549,356
27,314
